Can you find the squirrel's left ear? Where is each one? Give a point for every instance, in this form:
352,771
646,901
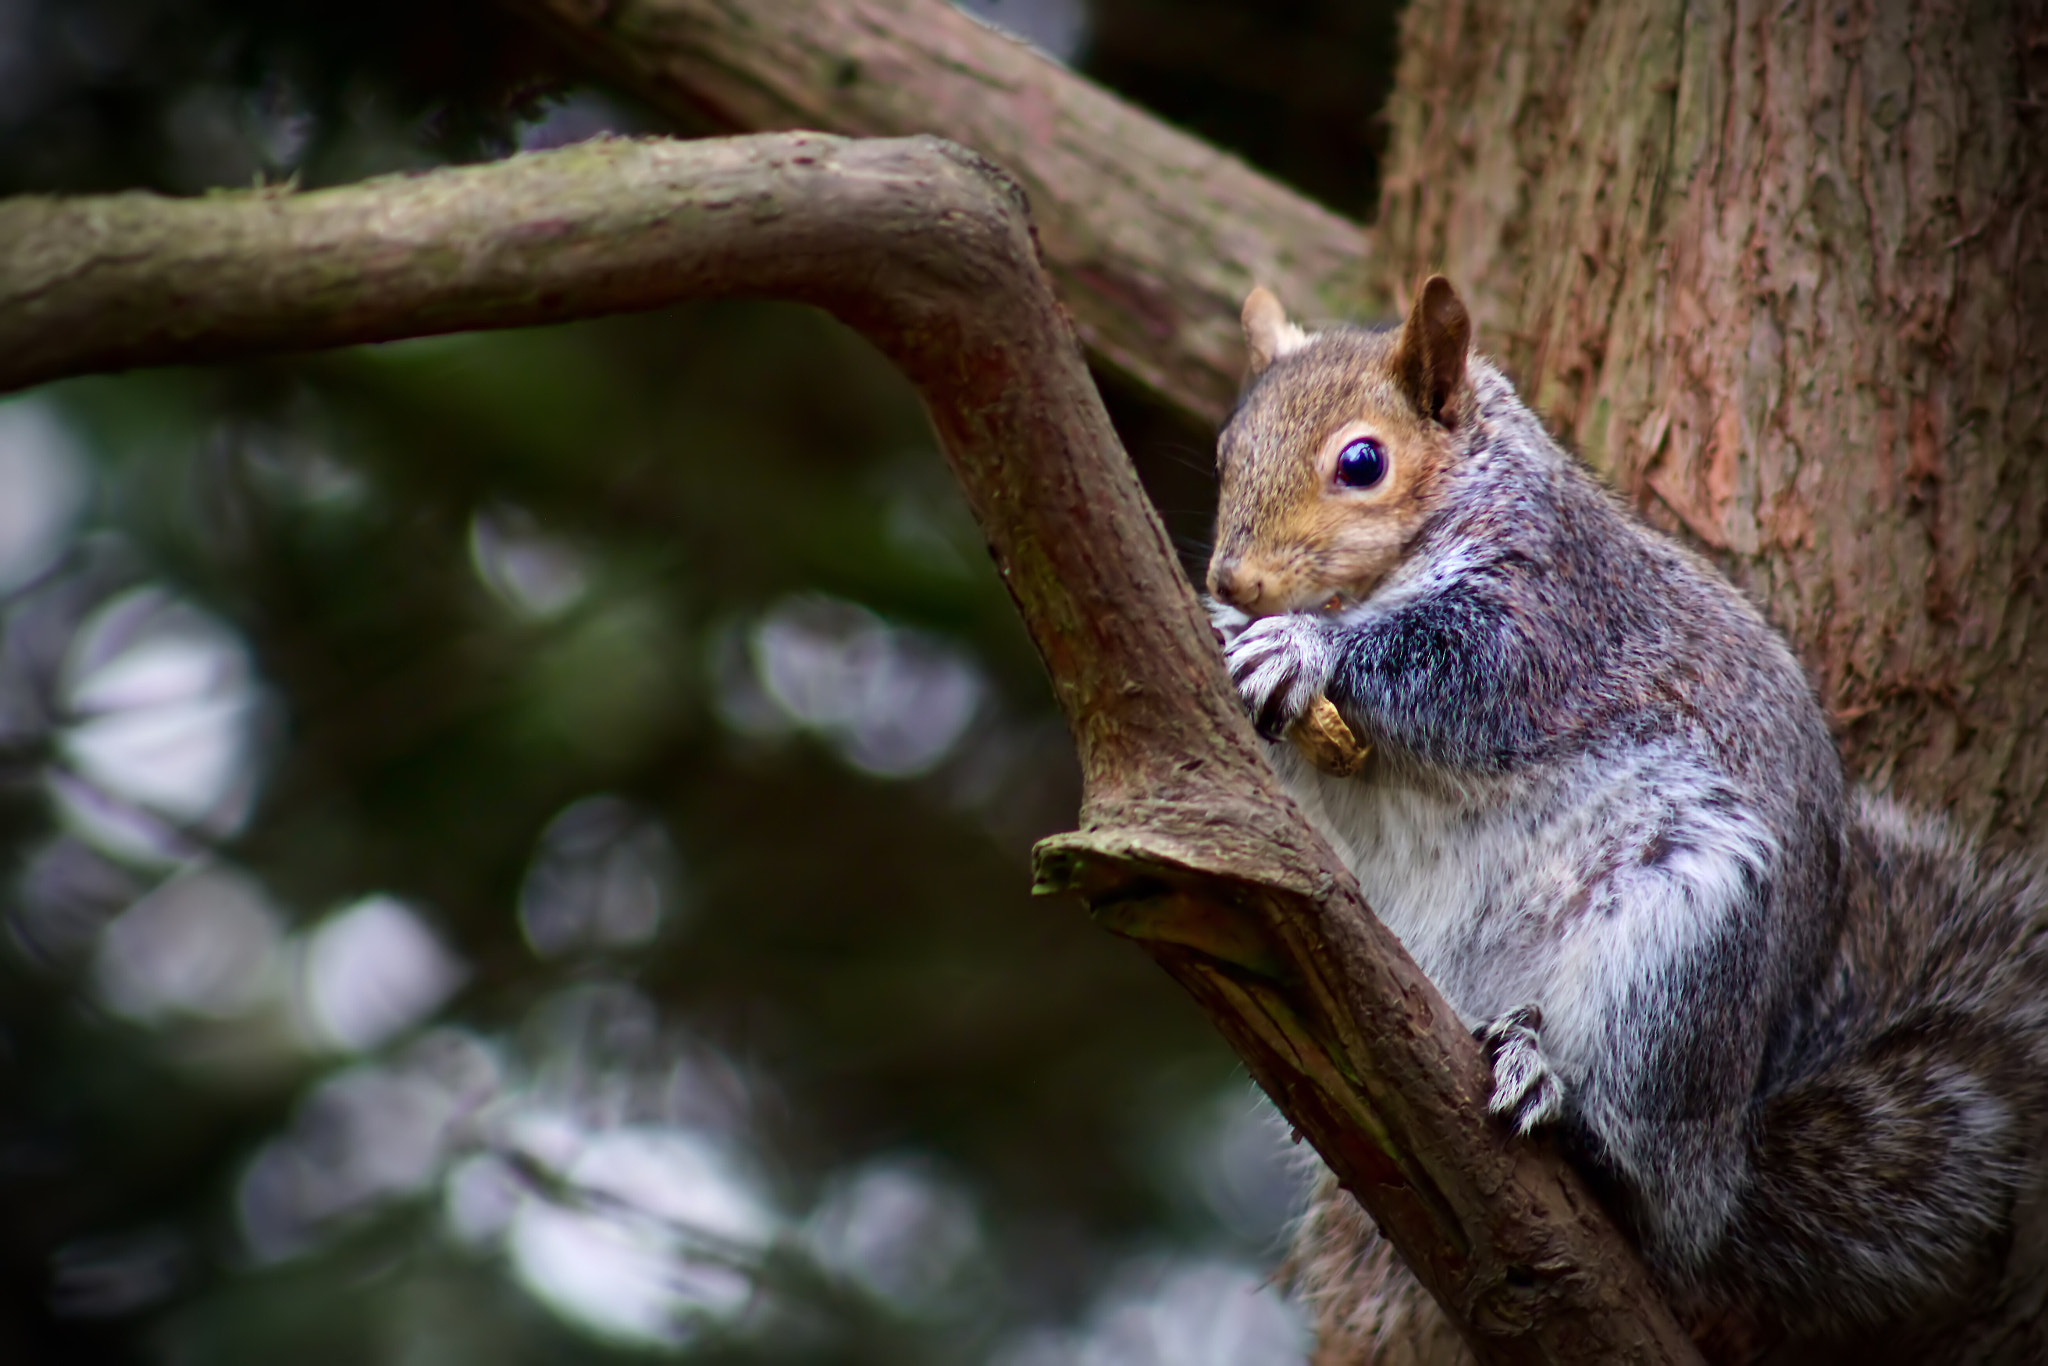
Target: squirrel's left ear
1267,334
1429,358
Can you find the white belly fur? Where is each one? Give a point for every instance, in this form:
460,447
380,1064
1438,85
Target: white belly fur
1487,884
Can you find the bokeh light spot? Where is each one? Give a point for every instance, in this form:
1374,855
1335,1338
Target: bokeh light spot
899,1231
535,574
657,1248
605,876
205,942
43,488
893,701
372,971
160,743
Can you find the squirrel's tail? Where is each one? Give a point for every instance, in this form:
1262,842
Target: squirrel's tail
1363,1304
1886,1156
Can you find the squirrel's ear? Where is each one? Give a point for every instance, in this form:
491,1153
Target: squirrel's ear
1429,358
1267,334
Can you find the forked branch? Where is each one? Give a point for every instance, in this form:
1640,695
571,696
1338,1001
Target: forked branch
1188,845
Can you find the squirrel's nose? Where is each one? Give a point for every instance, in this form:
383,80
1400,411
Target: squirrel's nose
1228,582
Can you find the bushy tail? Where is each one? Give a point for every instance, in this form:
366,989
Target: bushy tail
1365,1307
1886,1153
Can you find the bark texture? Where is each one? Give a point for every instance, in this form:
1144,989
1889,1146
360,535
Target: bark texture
1781,270
1188,843
1153,237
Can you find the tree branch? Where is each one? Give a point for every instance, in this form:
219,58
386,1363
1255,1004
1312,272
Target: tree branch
1152,236
1188,844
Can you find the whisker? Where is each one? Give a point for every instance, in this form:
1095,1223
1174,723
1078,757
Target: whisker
1187,457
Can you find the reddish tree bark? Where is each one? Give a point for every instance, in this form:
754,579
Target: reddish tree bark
1781,270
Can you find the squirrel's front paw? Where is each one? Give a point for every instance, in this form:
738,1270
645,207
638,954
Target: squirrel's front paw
1281,665
1226,621
1526,1090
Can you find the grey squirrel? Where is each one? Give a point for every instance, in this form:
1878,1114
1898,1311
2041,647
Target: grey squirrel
1796,1037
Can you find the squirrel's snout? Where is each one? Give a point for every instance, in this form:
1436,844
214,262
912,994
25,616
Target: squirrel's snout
1231,582
1227,582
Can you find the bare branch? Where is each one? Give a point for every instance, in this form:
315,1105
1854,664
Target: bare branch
1188,845
1152,236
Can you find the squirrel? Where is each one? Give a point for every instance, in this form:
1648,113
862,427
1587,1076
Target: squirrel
1796,1037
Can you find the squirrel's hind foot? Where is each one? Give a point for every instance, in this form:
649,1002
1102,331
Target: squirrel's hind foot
1527,1091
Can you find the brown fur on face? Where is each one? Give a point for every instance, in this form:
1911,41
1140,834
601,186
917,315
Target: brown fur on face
1289,537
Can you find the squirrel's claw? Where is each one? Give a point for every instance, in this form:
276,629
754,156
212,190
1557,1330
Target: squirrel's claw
1527,1091
1280,666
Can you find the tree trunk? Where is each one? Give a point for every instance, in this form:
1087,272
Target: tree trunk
1777,269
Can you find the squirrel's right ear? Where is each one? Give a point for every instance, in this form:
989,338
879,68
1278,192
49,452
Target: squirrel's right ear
1429,358
1267,334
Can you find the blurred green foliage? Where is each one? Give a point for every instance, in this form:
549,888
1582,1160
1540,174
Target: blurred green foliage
654,666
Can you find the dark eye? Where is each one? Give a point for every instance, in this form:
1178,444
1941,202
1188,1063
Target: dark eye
1362,464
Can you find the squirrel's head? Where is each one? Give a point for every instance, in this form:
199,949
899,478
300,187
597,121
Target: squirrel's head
1336,455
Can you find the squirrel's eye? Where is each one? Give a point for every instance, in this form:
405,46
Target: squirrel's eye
1362,464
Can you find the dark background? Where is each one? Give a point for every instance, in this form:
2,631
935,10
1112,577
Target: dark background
514,848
